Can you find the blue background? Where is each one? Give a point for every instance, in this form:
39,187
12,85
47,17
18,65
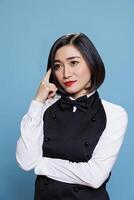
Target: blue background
28,28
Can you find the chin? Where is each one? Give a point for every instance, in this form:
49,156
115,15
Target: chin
71,91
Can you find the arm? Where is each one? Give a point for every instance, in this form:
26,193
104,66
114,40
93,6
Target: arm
94,172
29,144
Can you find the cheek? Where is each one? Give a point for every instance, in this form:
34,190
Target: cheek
84,72
58,76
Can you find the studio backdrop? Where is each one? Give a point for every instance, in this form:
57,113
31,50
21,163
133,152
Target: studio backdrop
28,28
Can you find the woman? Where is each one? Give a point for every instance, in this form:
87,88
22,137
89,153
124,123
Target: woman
70,136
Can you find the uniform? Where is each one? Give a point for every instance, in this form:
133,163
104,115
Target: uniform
72,146
81,130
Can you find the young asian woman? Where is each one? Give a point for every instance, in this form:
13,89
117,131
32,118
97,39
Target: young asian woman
70,136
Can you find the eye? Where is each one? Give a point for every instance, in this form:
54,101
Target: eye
57,66
74,62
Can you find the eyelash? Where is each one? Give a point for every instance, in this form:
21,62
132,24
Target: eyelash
57,66
73,63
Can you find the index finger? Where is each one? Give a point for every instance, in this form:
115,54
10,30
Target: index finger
47,75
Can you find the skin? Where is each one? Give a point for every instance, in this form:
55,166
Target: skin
46,90
69,66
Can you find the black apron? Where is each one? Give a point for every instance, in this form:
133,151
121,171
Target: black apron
71,136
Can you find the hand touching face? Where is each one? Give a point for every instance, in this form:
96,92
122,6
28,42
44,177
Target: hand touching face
46,89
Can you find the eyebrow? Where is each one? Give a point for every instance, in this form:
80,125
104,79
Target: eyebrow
69,58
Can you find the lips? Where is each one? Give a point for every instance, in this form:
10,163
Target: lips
69,83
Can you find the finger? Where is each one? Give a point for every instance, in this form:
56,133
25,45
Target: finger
47,76
53,86
52,94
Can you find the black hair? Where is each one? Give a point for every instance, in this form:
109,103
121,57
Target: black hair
89,53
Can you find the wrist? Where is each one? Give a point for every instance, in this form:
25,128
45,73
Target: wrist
35,109
40,100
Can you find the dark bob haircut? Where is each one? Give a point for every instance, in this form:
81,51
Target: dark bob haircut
89,53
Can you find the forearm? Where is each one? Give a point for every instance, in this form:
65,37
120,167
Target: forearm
94,172
77,173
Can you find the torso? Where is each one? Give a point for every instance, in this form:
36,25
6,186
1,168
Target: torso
72,136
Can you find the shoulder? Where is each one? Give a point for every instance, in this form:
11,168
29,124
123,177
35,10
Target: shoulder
114,110
117,116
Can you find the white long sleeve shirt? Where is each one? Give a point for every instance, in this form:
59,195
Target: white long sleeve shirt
92,173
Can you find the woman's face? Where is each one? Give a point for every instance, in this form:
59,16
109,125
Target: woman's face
72,71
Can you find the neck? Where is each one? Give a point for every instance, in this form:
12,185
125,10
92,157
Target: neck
75,96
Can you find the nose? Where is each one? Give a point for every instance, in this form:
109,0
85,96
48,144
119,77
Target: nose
67,72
